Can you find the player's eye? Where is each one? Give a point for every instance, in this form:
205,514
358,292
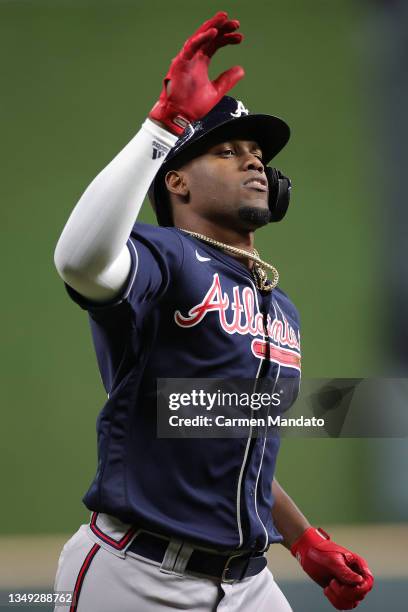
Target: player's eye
227,152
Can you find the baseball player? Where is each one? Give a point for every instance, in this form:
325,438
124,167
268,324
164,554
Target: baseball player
185,523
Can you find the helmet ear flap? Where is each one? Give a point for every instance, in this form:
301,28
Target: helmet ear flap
279,193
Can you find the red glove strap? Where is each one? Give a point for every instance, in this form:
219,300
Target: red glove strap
312,536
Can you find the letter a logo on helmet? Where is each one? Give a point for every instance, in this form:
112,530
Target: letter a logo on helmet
241,110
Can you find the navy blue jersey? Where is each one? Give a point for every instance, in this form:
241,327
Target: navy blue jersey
188,311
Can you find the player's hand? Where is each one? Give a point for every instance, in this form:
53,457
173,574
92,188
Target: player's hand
188,94
345,576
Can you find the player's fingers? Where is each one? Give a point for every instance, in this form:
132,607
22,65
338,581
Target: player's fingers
218,42
193,44
229,26
339,602
359,564
343,572
226,81
217,21
232,38
351,593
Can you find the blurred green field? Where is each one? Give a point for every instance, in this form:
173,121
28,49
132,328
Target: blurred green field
78,79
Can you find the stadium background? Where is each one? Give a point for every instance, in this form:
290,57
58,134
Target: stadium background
78,79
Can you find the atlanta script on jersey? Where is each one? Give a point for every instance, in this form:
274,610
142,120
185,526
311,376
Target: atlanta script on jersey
188,311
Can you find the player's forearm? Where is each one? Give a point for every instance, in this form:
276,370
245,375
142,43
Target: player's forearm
92,246
288,519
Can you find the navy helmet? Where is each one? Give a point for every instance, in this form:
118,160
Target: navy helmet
229,119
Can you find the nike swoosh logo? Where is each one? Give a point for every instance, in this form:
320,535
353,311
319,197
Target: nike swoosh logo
201,258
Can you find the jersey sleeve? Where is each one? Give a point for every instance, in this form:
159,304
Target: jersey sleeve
156,258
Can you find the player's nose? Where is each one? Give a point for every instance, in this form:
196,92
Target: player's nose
252,162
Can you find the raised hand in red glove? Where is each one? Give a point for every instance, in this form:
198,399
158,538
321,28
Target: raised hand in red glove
188,94
345,576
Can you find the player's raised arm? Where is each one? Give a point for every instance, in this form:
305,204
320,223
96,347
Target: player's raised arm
91,254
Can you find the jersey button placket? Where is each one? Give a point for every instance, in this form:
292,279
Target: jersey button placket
261,542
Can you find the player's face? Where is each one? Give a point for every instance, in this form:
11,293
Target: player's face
227,184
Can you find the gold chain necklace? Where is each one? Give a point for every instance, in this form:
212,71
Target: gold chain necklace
258,270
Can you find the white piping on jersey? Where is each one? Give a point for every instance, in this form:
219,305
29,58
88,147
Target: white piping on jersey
239,522
266,339
242,471
263,447
132,280
135,270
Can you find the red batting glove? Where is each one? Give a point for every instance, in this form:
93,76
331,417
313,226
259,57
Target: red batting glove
345,576
188,94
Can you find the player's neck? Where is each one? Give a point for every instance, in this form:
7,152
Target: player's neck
241,239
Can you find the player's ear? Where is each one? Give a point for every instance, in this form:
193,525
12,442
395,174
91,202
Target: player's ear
176,183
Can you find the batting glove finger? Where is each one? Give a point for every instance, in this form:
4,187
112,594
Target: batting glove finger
197,42
340,603
218,21
352,593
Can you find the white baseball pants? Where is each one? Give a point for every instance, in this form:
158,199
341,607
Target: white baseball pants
106,581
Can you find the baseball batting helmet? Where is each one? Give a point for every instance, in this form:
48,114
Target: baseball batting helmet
229,119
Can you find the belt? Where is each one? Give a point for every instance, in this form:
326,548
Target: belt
227,568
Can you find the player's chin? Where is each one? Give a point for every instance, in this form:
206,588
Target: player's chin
254,215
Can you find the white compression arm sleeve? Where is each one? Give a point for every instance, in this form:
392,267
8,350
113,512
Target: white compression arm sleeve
91,255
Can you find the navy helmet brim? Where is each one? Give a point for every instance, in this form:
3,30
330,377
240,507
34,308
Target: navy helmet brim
271,134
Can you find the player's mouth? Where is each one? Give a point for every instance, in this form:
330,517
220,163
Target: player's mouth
257,183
